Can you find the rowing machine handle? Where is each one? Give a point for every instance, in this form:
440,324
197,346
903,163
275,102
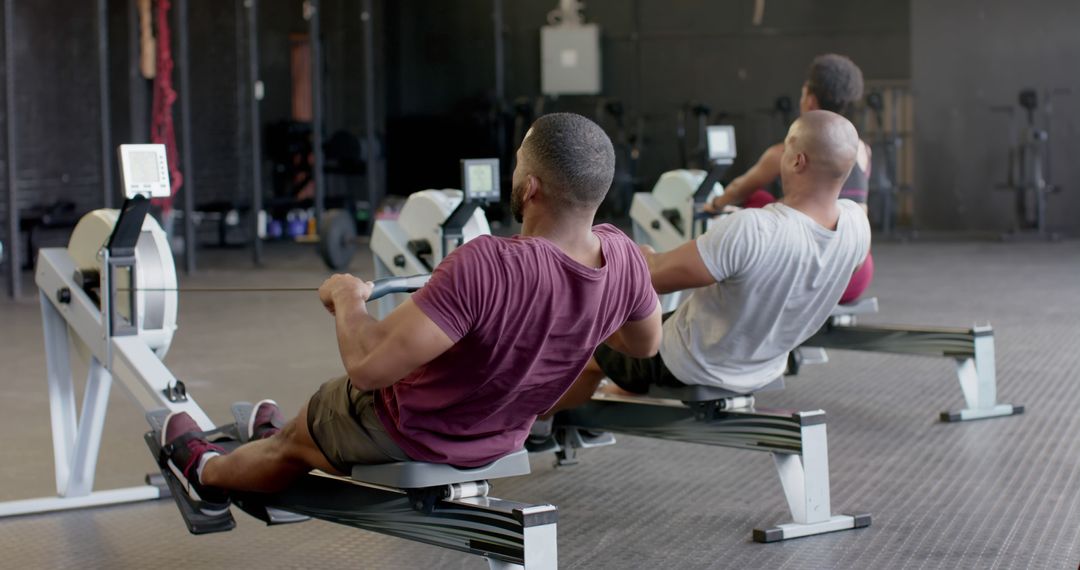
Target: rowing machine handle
392,285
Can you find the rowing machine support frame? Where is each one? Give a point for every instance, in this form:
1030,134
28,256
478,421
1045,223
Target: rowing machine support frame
797,441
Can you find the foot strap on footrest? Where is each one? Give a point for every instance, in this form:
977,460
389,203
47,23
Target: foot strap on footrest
197,522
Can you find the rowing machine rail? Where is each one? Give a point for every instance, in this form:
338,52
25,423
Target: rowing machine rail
796,440
972,349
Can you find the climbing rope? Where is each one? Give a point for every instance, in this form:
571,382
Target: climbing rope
161,128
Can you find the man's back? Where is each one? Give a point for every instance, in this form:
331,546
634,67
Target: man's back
778,274
525,318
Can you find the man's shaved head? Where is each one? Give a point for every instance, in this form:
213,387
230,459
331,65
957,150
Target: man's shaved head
826,141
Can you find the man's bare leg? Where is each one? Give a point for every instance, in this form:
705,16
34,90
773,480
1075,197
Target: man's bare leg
270,464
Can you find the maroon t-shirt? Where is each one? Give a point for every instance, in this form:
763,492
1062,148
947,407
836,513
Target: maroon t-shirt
525,318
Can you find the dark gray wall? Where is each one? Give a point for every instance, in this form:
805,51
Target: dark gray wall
56,101
431,56
656,55
967,57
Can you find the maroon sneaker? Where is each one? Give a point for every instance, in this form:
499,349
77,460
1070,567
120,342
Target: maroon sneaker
265,421
184,447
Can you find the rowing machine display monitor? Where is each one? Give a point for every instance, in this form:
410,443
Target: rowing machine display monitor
721,147
144,170
144,173
480,185
480,180
721,143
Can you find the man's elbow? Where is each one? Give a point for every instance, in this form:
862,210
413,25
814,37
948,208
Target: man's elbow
365,381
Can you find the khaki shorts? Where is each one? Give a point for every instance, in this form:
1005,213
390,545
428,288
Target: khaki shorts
343,423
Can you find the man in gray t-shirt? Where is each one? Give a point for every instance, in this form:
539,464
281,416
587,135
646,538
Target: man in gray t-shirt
764,280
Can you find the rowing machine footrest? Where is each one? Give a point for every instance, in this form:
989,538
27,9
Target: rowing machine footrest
548,445
585,439
804,355
417,475
197,522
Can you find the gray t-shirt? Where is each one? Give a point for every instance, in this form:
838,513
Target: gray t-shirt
779,274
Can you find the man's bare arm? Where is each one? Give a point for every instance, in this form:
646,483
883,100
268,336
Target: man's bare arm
678,269
763,173
638,339
378,353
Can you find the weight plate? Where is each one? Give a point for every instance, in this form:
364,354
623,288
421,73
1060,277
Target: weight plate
337,239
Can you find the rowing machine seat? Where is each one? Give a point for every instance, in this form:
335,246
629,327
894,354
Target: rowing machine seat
417,474
861,307
698,393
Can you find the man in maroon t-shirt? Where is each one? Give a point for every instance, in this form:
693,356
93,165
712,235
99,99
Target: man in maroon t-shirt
459,372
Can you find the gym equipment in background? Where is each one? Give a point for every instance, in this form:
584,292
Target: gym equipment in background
627,141
673,213
123,331
1029,172
697,156
433,223
884,173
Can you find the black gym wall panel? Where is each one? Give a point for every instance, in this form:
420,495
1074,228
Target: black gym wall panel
58,146
967,57
220,125
220,86
440,81
344,89
3,151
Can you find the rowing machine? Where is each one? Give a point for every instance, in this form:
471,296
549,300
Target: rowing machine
112,294
714,416
432,223
971,348
673,213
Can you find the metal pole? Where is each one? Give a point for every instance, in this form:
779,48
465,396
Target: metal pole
314,17
367,22
242,89
106,108
13,261
256,139
134,76
500,85
500,81
185,127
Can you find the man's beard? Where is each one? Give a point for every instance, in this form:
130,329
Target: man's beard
517,204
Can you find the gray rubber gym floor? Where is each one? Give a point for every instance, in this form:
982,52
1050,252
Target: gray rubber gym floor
1001,493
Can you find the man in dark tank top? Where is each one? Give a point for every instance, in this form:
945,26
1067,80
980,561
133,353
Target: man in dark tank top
833,83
